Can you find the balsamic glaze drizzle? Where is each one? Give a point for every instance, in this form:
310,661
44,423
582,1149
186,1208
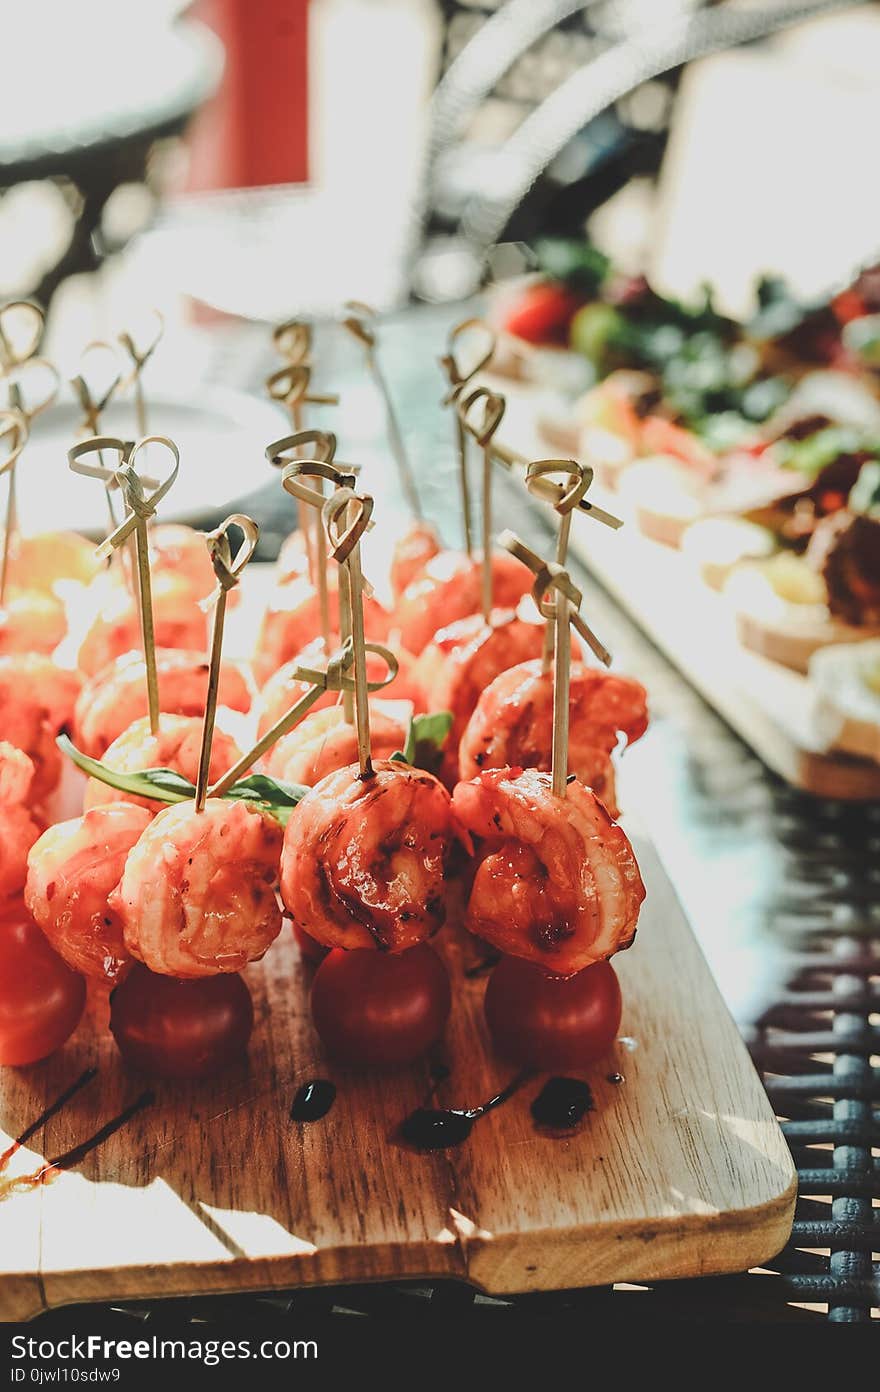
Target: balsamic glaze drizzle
562,1103
52,1110
432,1128
72,1157
313,1100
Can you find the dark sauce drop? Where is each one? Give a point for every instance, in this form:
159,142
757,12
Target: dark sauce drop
615,1078
562,1103
313,1100
433,1128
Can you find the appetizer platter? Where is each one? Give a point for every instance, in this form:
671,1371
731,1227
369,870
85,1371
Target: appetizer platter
746,459
309,902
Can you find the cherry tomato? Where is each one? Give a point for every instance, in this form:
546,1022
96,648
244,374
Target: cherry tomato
549,1022
380,1009
41,999
542,313
181,1029
311,950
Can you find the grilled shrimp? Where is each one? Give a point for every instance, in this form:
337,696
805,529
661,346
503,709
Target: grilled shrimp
71,871
365,859
283,690
178,620
556,879
176,746
25,726
33,680
323,742
18,830
293,618
513,724
463,659
412,552
32,622
449,588
38,562
196,897
117,696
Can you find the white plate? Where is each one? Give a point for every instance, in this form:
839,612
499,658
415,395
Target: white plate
221,435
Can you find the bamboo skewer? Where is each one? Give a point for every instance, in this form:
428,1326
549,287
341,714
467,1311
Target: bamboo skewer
139,359
93,406
579,478
561,689
352,511
228,569
290,385
493,414
335,678
27,410
11,423
312,495
511,542
562,611
359,320
141,507
458,379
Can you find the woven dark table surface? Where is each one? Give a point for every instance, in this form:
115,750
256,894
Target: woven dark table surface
783,892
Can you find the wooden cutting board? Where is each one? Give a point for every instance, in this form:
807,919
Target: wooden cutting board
679,1170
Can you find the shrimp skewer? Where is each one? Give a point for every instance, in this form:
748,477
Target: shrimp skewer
512,724
556,879
365,854
365,860
196,895
72,869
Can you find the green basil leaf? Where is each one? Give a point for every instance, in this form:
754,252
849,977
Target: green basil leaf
259,787
425,739
271,795
162,784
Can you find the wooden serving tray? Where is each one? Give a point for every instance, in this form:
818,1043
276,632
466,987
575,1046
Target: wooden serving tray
772,707
679,1170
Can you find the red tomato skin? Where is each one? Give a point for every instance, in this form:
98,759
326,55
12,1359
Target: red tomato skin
181,1029
379,1009
542,313
41,999
552,1022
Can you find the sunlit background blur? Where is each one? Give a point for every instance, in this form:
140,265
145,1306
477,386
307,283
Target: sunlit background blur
265,157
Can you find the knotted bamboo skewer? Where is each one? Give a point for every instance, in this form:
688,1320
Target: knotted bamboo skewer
142,506
336,678
290,386
14,428
139,359
93,402
228,569
351,511
483,432
562,610
458,378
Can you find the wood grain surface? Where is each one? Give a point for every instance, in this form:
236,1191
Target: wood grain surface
679,1170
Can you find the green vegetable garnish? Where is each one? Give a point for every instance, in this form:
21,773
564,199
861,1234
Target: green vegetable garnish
270,795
